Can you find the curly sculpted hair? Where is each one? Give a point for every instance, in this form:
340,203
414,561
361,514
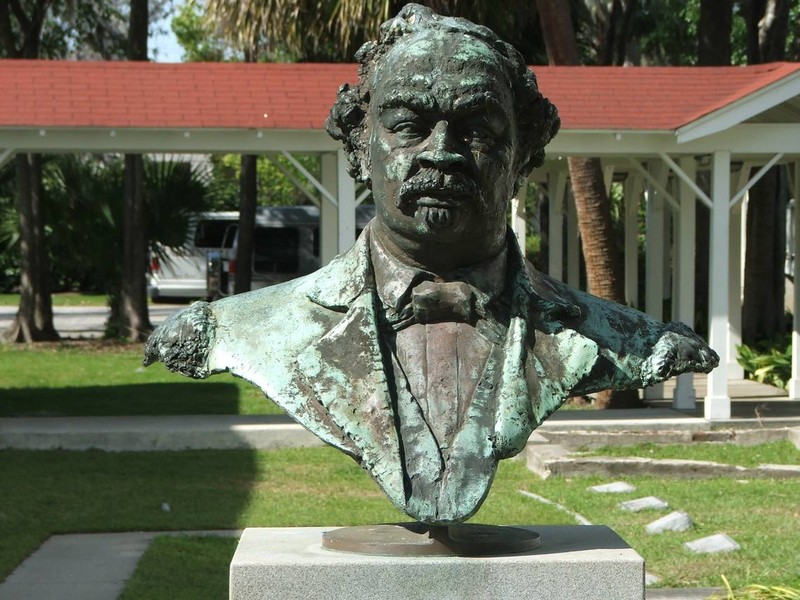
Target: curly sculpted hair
536,118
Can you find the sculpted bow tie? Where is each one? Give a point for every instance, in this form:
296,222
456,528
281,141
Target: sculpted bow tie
436,302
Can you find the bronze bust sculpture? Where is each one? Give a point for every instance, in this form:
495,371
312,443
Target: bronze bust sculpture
432,349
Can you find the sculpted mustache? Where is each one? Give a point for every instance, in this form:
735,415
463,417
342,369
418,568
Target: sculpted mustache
426,182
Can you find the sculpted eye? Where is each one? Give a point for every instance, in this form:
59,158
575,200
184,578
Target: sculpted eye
478,135
409,129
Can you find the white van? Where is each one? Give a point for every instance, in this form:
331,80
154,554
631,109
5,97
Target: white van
286,245
180,273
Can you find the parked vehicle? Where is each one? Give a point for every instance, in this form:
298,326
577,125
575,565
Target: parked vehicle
286,245
180,273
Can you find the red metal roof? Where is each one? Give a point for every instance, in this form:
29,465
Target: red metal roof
40,93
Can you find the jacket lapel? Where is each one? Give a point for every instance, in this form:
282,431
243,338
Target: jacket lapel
543,359
345,369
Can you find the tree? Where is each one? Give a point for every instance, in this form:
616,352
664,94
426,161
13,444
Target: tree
21,37
129,313
764,280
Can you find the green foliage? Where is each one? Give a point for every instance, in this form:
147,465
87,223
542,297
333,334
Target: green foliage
199,42
274,188
768,362
757,592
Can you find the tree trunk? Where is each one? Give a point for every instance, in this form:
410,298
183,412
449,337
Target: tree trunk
764,279
248,199
34,320
129,313
604,270
714,33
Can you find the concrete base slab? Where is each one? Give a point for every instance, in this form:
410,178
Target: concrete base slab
587,562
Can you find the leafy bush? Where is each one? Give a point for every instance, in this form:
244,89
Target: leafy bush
757,592
768,362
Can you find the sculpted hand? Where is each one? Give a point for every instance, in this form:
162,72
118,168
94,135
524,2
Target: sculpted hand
182,341
678,350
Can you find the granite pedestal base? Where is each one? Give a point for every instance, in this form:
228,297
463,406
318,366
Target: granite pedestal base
573,562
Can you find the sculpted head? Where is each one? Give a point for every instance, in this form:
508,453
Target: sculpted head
445,124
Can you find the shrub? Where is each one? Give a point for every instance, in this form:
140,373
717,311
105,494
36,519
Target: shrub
768,362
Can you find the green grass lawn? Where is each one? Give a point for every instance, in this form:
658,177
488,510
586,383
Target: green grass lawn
102,379
62,299
52,492
779,453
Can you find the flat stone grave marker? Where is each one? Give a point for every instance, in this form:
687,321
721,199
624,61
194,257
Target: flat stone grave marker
719,542
674,521
617,487
646,503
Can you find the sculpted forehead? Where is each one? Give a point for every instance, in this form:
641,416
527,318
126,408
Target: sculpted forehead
440,61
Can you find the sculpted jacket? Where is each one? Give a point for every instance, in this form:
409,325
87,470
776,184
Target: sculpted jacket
313,346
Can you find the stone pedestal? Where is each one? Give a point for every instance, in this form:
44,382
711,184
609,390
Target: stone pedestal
586,562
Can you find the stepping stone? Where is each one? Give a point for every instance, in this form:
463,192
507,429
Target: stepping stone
674,521
647,503
618,487
712,544
650,579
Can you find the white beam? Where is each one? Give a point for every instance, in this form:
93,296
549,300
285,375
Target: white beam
735,260
291,177
688,180
659,185
556,188
328,212
755,178
717,405
311,179
608,177
346,195
633,193
5,156
684,397
794,382
654,257
518,221
573,243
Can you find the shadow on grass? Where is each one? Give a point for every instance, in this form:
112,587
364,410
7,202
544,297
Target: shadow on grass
179,398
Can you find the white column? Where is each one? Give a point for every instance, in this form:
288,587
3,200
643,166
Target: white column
794,382
573,243
717,401
735,258
684,396
556,187
654,262
518,221
346,195
633,193
329,214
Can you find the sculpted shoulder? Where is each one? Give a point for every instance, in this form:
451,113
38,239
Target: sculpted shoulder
203,338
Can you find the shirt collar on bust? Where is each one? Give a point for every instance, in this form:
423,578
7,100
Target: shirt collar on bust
394,279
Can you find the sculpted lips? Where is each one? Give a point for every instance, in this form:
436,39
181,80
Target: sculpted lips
430,188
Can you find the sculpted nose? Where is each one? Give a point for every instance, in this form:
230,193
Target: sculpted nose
440,149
